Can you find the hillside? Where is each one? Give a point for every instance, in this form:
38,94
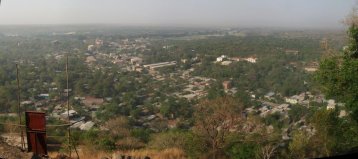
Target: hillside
10,152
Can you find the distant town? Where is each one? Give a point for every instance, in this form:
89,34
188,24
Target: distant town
155,82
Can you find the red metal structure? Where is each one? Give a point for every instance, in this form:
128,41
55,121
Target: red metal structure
36,132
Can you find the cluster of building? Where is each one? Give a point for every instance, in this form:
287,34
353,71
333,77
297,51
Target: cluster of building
128,61
269,106
302,99
195,88
311,67
125,45
90,104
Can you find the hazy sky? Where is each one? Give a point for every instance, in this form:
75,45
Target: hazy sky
257,13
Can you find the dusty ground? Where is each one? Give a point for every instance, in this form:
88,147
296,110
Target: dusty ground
11,152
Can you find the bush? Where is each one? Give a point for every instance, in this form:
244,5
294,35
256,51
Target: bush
142,134
107,144
168,140
242,151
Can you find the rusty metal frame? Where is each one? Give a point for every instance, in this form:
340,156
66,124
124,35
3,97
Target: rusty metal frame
36,132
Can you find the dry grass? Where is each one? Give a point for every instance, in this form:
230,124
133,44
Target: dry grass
87,153
172,153
93,154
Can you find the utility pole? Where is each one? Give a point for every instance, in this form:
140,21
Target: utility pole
68,109
19,105
68,114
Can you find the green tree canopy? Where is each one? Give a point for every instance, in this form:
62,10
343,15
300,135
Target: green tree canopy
338,74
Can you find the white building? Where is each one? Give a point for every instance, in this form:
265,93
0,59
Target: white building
71,114
237,59
161,64
251,59
136,60
99,42
342,113
221,58
331,104
311,69
297,99
226,63
184,60
291,100
28,102
269,95
90,48
87,126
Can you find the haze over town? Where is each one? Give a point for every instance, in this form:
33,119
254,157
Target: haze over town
183,13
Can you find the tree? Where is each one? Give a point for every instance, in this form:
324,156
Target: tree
141,133
324,122
330,136
267,151
215,119
299,145
352,21
338,75
243,150
297,112
215,91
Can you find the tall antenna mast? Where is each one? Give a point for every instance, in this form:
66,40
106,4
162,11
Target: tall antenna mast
19,106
